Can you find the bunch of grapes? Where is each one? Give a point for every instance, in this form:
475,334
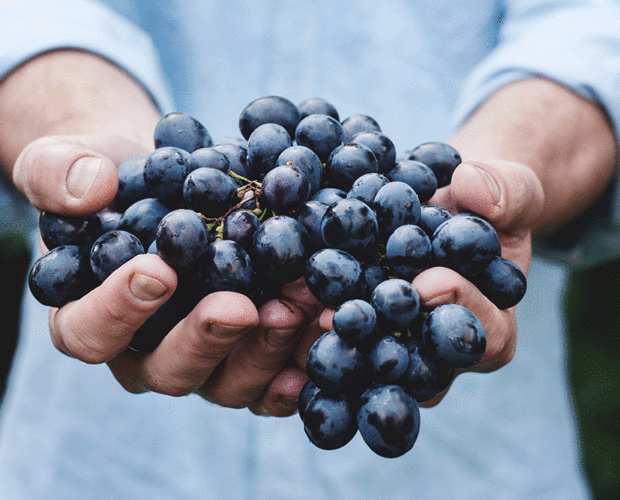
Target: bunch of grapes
302,194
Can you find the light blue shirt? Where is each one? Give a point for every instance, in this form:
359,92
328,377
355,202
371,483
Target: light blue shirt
68,430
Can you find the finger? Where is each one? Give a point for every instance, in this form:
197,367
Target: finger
190,352
257,358
72,175
509,195
100,325
299,294
439,285
281,396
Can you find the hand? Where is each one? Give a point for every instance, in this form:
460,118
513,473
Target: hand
224,350
510,196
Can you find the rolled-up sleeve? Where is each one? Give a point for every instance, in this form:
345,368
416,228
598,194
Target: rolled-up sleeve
577,44
31,27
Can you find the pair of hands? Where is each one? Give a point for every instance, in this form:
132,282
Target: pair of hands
225,350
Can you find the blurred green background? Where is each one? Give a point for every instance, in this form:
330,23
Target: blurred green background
593,314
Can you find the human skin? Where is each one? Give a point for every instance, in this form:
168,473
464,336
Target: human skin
535,155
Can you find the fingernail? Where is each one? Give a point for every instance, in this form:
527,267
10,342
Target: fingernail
222,331
448,298
278,337
491,184
82,175
146,288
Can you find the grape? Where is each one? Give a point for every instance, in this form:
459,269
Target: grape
454,334
502,282
62,275
431,217
208,158
354,321
310,216
182,239
441,158
335,367
308,391
210,192
265,145
397,303
408,251
131,184
286,189
396,204
270,109
347,163
57,230
181,130
334,276
366,187
237,157
350,225
465,243
111,250
330,421
388,420
317,106
110,220
320,133
226,267
418,175
307,161
281,248
382,147
329,195
357,123
164,173
240,226
388,359
142,219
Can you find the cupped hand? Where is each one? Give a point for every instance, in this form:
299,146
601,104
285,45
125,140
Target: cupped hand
225,350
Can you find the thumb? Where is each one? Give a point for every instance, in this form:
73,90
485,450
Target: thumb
72,174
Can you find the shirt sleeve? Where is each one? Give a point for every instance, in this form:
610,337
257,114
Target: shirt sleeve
32,27
577,44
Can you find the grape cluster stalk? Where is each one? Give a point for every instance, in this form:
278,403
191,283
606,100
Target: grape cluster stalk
301,194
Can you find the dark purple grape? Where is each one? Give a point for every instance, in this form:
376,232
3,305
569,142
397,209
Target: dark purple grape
308,391
329,195
396,204
238,158
182,239
335,367
285,188
164,173
408,251
466,244
110,220
373,274
226,267
57,230
317,106
350,225
310,216
388,360
431,217
330,421
281,248
210,192
357,123
441,158
111,250
347,163
425,376
208,158
142,219
320,133
62,275
454,334
237,141
334,276
382,147
418,175
354,321
388,420
307,161
131,185
265,145
269,109
183,131
502,282
396,302
240,226
366,187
